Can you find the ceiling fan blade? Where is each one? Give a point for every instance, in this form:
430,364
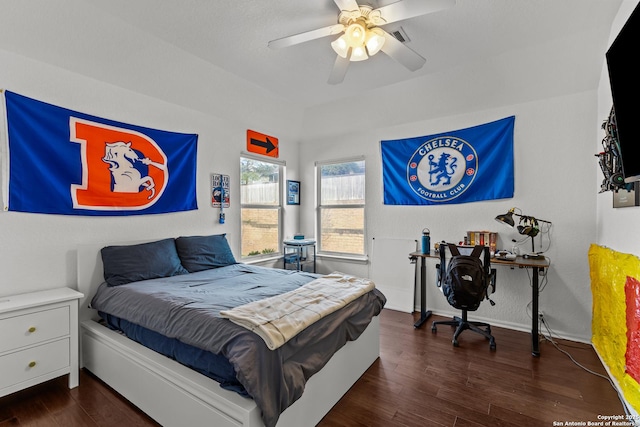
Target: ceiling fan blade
401,53
406,9
339,70
306,36
349,5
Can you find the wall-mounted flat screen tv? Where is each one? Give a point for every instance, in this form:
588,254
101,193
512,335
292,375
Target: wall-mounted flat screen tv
624,77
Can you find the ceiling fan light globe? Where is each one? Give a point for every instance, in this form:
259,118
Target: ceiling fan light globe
358,53
374,42
355,34
340,46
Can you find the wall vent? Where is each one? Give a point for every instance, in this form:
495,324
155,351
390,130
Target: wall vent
400,35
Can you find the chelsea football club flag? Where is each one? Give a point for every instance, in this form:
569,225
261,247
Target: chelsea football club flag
461,166
65,162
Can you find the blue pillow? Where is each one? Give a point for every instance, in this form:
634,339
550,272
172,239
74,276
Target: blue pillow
132,263
199,253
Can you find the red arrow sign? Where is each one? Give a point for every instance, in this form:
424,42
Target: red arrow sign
262,144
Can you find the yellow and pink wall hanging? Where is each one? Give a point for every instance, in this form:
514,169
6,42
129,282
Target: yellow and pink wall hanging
615,286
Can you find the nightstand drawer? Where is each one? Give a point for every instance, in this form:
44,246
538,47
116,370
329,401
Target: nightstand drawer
33,328
33,362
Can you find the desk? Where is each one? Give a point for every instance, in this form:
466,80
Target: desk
424,313
535,264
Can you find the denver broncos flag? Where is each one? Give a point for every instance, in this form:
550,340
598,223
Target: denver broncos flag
64,162
461,166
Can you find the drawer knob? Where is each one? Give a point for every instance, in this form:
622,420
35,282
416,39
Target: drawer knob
32,329
32,364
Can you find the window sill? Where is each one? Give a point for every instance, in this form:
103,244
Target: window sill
272,258
356,259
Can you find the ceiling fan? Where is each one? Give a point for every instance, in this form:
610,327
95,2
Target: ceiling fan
362,36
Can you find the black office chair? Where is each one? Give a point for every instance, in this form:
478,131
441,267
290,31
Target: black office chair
466,281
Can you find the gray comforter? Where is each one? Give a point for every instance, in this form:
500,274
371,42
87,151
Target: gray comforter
187,307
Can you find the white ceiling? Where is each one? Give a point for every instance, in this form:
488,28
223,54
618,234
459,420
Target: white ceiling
233,35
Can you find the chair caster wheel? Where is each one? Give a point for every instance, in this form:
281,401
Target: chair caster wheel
434,329
492,345
455,343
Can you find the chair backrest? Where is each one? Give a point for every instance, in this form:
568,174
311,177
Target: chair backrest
465,278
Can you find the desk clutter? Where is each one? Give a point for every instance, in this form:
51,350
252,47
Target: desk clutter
506,256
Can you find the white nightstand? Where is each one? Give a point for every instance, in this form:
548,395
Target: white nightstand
38,338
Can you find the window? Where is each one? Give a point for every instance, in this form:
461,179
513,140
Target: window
341,207
260,207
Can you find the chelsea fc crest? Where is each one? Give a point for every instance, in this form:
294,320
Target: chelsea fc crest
441,169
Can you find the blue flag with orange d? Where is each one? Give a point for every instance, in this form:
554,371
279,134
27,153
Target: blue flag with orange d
460,166
70,163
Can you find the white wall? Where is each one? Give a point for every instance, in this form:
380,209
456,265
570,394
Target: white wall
38,251
616,228
554,176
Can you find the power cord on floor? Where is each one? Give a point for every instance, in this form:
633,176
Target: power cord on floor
629,418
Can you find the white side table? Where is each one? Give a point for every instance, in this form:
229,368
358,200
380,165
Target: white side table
38,338
299,253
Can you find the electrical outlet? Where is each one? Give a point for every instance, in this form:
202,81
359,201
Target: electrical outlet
540,315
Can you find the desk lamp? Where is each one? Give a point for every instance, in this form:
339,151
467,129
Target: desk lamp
527,226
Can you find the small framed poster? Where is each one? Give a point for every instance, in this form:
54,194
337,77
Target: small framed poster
219,190
293,192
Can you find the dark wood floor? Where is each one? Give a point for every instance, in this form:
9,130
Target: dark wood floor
419,380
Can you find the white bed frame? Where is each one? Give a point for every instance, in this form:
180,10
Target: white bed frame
175,395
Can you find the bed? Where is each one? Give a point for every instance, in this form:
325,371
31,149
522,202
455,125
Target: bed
174,394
